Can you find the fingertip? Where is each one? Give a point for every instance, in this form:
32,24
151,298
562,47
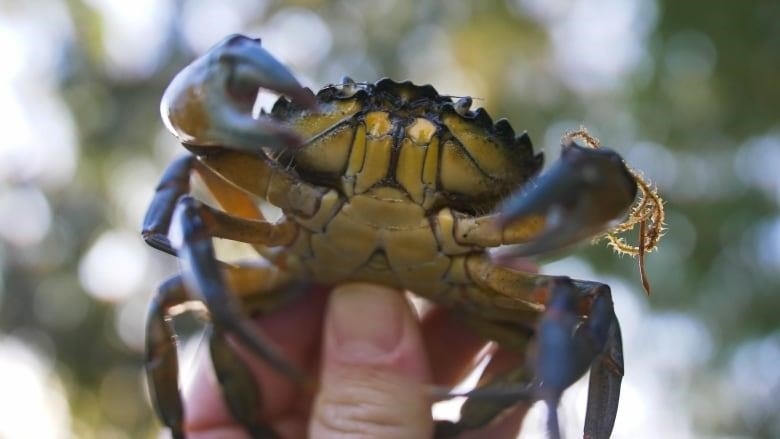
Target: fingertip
374,367
372,325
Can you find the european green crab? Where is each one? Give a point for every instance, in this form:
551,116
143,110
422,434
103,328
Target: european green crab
389,183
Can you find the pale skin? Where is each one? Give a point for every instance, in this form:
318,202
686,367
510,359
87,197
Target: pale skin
374,358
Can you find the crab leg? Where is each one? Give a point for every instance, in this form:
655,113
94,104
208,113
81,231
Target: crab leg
192,225
238,386
582,195
210,102
595,344
266,286
606,373
577,330
161,362
568,347
499,391
175,183
202,276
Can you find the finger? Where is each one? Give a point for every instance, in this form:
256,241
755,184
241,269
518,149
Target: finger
374,368
296,331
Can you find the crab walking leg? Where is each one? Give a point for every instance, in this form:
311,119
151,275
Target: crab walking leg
238,386
582,195
161,362
243,205
496,392
503,310
247,226
174,183
230,227
606,371
503,385
261,290
577,330
595,343
268,289
204,280
485,404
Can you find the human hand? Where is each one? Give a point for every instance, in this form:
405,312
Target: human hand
375,361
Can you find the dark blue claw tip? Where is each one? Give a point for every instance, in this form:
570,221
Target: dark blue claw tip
254,68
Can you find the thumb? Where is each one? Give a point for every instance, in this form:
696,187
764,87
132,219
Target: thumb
374,368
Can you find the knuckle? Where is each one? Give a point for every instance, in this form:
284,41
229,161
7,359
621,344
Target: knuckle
371,404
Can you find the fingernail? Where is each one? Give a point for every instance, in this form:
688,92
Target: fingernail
366,320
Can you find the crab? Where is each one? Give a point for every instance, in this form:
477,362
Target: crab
390,183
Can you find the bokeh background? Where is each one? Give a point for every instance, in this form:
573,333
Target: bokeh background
688,92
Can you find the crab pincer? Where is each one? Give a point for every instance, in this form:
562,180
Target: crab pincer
210,102
587,191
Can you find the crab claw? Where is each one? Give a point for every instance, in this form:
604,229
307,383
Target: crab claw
210,102
582,195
